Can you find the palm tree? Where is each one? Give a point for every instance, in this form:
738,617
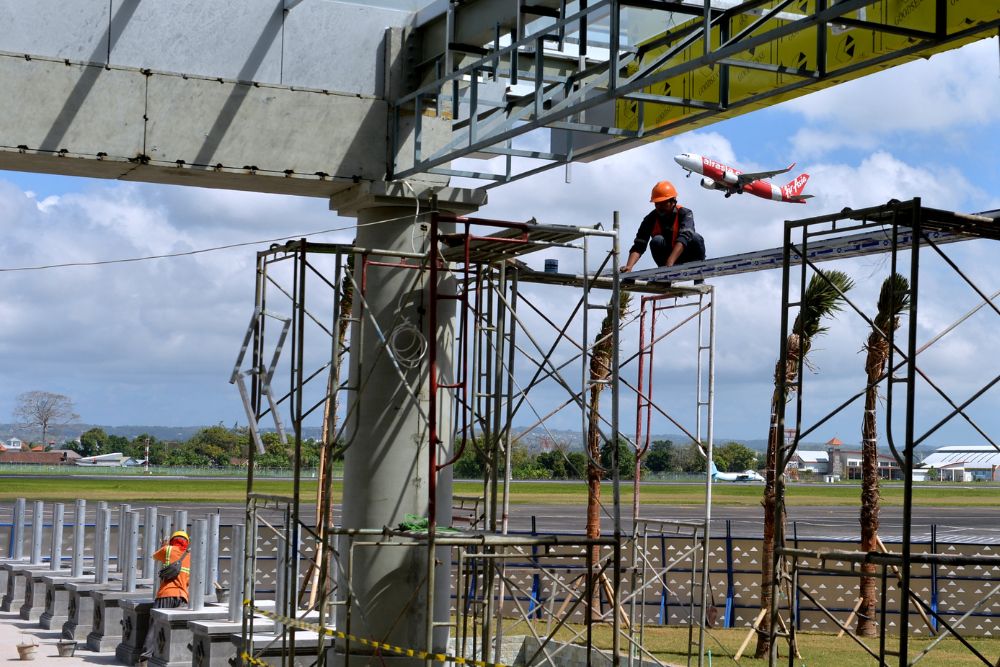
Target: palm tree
600,370
893,299
822,298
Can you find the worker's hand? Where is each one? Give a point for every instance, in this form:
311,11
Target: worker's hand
624,269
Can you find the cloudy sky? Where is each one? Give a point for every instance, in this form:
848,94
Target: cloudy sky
153,342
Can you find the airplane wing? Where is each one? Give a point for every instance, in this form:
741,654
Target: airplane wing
750,177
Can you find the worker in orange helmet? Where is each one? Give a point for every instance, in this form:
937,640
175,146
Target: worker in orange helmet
174,580
668,230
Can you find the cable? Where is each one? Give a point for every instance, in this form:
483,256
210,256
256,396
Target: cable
187,253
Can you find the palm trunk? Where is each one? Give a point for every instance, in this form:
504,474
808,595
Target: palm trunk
769,502
324,488
600,371
878,352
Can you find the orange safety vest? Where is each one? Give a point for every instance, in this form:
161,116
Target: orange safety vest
658,230
174,588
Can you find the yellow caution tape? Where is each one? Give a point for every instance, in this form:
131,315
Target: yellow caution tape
399,650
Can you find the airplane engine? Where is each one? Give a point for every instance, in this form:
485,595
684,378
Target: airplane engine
730,177
709,184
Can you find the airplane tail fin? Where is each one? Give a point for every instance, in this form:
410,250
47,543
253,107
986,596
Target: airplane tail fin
714,469
792,191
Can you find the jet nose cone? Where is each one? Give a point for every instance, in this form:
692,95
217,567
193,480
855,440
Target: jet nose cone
688,161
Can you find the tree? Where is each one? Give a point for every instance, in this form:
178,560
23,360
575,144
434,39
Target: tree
734,457
92,442
690,459
893,299
822,298
44,410
661,456
626,459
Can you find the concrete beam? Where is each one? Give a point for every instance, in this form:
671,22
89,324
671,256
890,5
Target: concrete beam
80,119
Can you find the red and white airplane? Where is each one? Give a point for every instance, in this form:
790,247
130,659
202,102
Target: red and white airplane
718,176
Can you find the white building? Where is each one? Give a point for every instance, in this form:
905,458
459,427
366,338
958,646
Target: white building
962,463
14,445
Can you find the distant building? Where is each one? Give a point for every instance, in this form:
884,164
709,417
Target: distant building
60,457
961,463
13,445
837,463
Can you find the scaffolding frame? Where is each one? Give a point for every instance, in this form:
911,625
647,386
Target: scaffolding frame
489,288
896,219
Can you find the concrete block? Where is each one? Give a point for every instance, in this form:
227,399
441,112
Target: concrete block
106,630
14,596
81,109
212,641
233,39
173,638
76,30
264,648
57,600
34,592
135,623
320,32
81,608
264,129
5,573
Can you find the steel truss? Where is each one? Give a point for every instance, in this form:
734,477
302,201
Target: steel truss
475,84
897,221
512,353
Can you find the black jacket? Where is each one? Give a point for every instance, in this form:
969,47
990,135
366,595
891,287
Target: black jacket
685,228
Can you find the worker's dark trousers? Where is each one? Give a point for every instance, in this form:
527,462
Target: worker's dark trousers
660,248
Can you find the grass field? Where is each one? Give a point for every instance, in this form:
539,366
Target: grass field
153,489
817,650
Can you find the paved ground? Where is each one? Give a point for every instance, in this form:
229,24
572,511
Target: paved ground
14,631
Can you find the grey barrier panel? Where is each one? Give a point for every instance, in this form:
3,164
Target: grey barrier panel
79,537
212,569
37,526
19,528
123,512
103,544
199,539
149,543
58,518
131,551
236,553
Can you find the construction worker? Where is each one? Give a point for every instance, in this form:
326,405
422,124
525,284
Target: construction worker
668,230
174,580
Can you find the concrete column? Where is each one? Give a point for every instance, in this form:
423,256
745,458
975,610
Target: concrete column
123,512
180,520
55,554
102,545
149,543
18,537
212,557
386,463
79,537
236,554
37,528
128,557
199,540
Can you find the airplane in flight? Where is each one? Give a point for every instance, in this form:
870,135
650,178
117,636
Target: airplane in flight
745,476
718,176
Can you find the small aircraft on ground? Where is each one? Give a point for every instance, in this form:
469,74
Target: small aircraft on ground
718,176
745,476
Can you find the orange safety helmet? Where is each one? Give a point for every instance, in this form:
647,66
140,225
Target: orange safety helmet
663,191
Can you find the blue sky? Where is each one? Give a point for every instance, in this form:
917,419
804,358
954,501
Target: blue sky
154,342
